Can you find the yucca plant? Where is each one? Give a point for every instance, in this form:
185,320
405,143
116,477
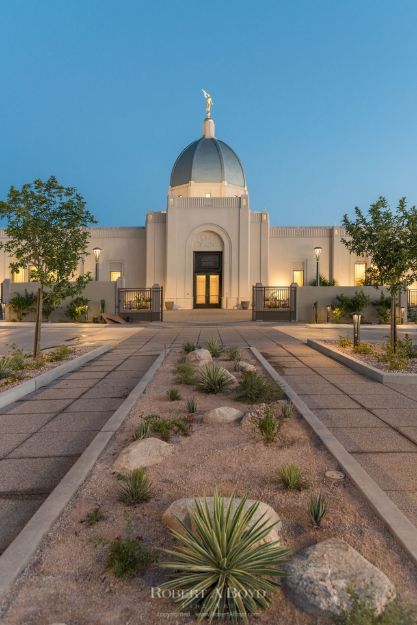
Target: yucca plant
268,425
317,508
143,430
253,389
184,373
213,378
214,346
191,405
221,566
135,487
291,477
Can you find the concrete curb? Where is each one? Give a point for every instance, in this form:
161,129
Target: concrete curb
360,367
21,390
397,523
21,551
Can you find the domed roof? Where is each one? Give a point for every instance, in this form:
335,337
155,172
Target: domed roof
208,160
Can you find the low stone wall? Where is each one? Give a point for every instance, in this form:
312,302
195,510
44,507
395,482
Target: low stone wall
94,292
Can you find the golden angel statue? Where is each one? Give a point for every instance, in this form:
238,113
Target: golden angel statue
209,103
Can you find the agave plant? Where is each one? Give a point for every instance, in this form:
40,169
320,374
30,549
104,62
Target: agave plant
221,565
317,508
213,378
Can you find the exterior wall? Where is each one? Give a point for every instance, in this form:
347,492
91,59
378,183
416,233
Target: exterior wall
200,189
155,249
119,245
325,295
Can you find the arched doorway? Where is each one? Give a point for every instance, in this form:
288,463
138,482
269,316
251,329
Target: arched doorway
207,270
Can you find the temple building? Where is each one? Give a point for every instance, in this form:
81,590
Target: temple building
209,246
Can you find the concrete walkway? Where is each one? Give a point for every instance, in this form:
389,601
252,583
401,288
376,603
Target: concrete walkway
42,435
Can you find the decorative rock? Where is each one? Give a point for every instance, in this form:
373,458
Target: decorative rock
231,377
246,366
142,453
224,414
199,357
323,578
178,511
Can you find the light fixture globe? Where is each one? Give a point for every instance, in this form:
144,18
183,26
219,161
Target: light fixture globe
97,252
317,252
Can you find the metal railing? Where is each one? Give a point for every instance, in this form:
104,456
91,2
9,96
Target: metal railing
274,303
141,304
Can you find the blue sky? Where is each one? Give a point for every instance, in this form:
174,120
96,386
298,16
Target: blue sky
318,98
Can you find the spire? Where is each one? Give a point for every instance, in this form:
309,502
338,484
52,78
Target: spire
208,123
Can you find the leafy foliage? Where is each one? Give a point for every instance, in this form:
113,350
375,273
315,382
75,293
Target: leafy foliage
323,281
287,409
135,487
232,353
317,508
184,373
268,424
127,557
189,347
360,613
354,304
382,307
344,341
173,394
254,388
221,566
23,303
213,378
143,430
77,308
363,348
59,353
47,229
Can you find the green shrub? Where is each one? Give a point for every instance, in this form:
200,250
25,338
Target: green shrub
163,428
287,410
77,308
173,394
189,347
344,341
23,303
406,347
184,373
213,378
135,487
232,353
143,430
17,358
354,304
93,517
383,308
127,557
400,358
363,348
323,281
181,426
191,405
6,368
60,353
236,365
214,346
337,314
220,555
291,477
253,388
268,425
317,508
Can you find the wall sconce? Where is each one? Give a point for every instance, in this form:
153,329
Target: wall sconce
97,252
356,329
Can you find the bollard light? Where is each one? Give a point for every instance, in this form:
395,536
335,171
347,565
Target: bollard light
329,313
402,309
356,329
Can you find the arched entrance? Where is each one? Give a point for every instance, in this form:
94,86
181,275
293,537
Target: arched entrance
208,274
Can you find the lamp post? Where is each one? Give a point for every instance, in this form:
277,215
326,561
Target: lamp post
329,313
97,252
317,252
356,329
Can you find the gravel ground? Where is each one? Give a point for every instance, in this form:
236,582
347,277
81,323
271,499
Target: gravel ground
373,359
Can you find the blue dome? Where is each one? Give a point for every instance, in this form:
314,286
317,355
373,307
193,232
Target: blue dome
208,160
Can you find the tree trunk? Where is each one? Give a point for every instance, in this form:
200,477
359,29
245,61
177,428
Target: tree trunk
38,325
394,321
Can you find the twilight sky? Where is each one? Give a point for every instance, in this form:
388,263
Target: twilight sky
317,97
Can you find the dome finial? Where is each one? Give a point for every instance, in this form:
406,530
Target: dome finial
208,123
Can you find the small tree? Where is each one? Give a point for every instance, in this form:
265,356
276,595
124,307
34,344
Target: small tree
389,240
47,229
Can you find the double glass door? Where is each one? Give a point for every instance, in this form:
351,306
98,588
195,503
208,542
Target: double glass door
207,279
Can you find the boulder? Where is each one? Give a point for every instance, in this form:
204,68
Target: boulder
178,511
142,453
199,357
233,379
224,414
323,578
246,366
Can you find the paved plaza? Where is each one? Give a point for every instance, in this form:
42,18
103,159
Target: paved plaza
42,435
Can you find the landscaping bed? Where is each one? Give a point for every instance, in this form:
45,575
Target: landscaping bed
71,581
17,366
375,355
